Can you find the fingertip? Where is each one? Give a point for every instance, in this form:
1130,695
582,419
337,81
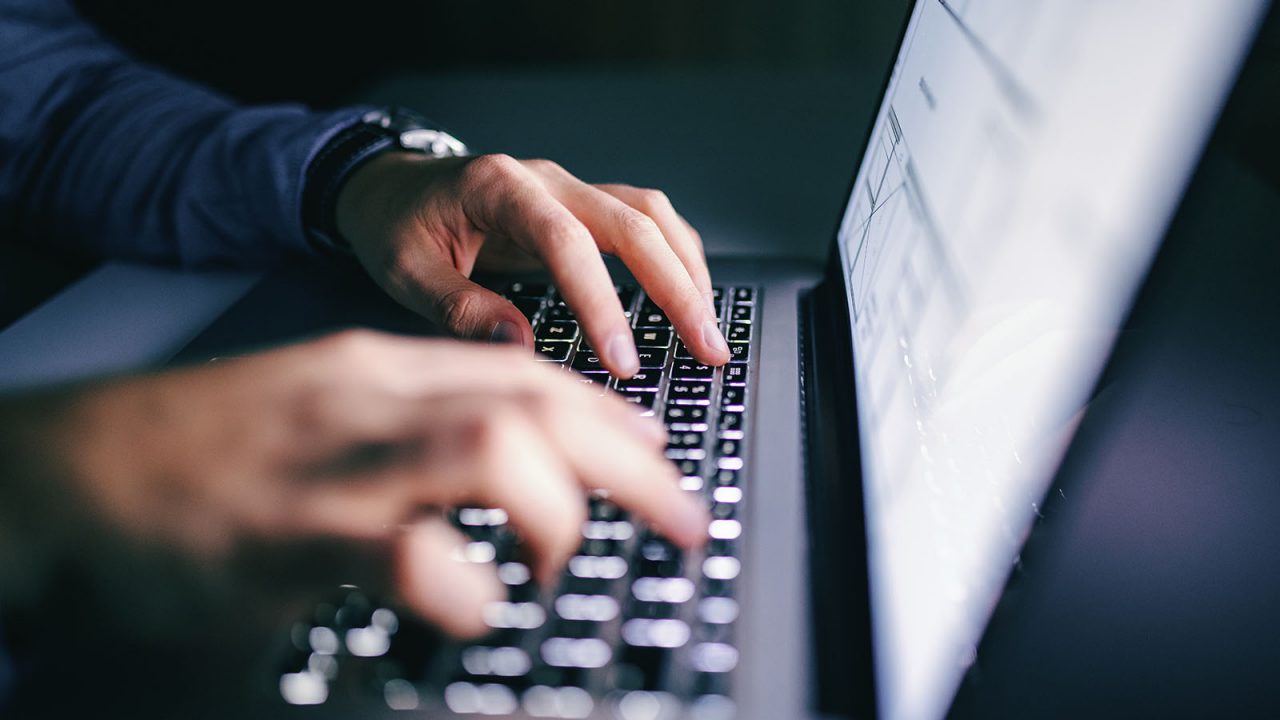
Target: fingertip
509,332
714,342
620,352
436,580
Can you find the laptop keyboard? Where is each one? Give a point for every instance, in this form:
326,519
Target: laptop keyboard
635,623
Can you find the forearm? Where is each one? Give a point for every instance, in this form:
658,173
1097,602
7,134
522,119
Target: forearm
106,157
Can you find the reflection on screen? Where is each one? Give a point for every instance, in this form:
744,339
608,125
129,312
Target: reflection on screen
1025,161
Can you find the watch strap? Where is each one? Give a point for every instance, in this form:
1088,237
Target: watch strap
328,172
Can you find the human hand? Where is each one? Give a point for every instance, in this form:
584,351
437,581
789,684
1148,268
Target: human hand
258,482
421,225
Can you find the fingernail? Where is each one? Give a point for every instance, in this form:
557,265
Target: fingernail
505,332
712,337
621,351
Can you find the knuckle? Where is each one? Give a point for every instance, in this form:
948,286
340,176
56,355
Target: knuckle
352,344
456,309
488,167
651,199
543,165
636,223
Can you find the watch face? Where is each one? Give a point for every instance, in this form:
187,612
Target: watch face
432,142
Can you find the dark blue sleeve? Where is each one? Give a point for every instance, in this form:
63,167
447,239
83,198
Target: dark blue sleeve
103,156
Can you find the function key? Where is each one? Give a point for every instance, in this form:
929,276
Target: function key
744,296
653,338
738,333
554,351
741,313
557,330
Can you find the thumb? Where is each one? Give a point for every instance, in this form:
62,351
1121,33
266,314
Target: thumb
465,309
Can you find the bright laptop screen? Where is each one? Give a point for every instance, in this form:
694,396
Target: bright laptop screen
1024,164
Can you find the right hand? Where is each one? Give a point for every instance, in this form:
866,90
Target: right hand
259,481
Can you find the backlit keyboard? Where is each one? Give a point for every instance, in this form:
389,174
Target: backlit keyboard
635,624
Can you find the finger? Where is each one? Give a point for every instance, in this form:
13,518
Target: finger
632,473
432,579
521,208
633,236
512,467
436,290
684,240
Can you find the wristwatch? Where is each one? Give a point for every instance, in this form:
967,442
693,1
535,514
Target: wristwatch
377,132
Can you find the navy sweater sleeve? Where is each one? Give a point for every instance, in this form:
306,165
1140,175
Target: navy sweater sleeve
105,157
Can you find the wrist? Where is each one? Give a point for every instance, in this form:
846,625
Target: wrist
378,133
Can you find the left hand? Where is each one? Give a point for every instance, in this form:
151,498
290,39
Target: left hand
420,226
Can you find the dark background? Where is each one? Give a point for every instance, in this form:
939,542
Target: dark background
326,54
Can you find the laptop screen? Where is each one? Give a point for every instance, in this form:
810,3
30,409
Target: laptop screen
1025,161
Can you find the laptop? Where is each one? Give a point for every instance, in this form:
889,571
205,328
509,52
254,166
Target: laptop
878,451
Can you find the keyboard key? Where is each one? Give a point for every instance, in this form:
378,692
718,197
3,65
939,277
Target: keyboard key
682,352
652,357
646,379
554,351
686,417
557,330
730,421
689,393
666,633
691,370
714,657
689,467
726,478
744,296
717,294
739,351
688,439
644,401
674,590
652,320
741,314
729,448
586,361
735,373
738,333
652,338
732,398
590,608
599,380
576,652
